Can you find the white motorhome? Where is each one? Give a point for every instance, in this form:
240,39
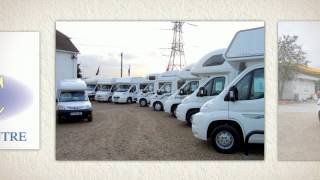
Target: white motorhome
215,75
105,89
191,84
73,101
168,83
236,115
151,88
91,87
127,89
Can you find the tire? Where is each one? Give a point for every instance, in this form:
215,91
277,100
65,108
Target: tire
129,100
110,99
143,103
90,118
189,115
174,110
225,139
157,106
60,120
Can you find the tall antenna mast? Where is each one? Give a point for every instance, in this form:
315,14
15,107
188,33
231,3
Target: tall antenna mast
177,58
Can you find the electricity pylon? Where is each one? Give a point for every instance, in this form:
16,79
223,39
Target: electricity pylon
177,58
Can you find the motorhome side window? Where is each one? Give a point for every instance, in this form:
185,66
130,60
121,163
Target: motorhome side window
214,60
180,83
133,89
142,86
251,86
191,87
257,87
166,88
214,86
218,86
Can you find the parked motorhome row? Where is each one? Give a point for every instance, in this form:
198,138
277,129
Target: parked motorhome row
236,115
221,96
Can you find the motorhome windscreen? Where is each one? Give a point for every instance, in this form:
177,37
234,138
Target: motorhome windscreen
190,87
215,86
123,87
104,87
166,88
214,60
149,87
91,87
70,96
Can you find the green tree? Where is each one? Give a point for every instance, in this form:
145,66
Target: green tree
290,54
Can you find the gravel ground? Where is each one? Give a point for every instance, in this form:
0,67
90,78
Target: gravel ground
298,132
129,132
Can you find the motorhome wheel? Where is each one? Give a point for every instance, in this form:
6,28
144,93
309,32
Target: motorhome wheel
90,118
143,103
190,114
225,139
129,100
174,110
110,99
157,106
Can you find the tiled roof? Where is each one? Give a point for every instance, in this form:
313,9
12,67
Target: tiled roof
63,42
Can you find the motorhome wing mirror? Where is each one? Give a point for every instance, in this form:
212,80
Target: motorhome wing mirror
159,92
201,91
232,94
181,92
144,91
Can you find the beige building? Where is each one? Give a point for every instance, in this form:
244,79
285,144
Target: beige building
304,86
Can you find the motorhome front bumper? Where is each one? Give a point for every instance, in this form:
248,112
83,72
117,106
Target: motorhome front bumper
74,114
169,103
181,112
118,99
199,128
101,98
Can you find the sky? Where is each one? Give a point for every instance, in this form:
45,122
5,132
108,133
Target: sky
308,33
145,44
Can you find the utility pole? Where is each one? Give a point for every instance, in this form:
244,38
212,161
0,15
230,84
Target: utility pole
121,62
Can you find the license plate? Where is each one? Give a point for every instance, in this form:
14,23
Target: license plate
76,113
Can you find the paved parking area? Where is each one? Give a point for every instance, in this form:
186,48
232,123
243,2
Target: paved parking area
298,132
129,132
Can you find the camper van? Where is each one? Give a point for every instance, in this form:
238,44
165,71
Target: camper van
105,89
143,98
127,89
191,84
215,74
236,115
168,83
91,87
73,101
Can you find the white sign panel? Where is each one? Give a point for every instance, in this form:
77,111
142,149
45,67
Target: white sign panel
19,90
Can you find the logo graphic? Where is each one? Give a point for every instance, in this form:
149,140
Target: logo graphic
14,97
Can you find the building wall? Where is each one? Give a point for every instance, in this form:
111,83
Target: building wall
66,67
302,88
